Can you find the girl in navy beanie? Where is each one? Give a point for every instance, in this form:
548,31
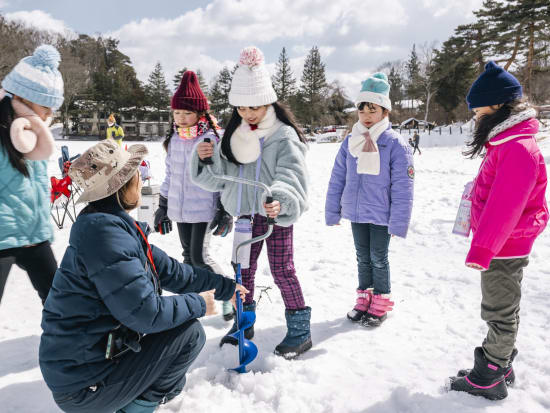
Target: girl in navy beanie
508,212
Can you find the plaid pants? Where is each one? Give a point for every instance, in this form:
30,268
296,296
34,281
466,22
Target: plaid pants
280,253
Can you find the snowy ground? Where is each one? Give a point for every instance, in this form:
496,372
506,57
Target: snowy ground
399,367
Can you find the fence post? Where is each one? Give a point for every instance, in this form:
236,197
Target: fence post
461,129
450,131
440,130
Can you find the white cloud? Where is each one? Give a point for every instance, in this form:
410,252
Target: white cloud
195,38
39,19
3,4
363,47
462,7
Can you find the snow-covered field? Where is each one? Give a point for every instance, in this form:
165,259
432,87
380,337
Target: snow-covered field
399,367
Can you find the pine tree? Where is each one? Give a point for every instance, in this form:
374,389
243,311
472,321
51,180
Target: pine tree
413,75
177,78
314,86
517,33
158,95
283,80
453,73
395,78
219,95
202,82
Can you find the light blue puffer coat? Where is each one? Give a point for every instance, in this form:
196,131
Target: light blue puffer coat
24,204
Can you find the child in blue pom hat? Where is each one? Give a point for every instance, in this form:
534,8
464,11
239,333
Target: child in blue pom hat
372,185
29,94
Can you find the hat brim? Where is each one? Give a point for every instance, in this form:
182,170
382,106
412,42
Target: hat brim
119,179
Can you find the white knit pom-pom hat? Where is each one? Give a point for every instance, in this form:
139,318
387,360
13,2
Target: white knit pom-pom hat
251,84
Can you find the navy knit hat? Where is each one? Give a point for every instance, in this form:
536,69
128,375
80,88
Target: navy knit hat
493,87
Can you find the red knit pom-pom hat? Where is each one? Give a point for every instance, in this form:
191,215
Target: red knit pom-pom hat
189,95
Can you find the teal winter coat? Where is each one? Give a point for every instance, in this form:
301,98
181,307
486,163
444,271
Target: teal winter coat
24,204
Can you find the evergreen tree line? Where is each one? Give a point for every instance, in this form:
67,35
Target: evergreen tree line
431,83
435,81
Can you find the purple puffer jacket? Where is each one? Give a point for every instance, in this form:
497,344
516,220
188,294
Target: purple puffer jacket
384,199
187,202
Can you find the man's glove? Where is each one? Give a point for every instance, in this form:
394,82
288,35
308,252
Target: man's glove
222,224
162,222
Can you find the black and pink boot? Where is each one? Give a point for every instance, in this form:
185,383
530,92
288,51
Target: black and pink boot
362,304
509,375
378,310
485,379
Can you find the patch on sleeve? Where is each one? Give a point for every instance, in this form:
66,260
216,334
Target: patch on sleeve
410,171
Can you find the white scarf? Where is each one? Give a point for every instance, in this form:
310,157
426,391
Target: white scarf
362,145
245,142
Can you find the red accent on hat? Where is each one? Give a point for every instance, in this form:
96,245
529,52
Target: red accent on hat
189,95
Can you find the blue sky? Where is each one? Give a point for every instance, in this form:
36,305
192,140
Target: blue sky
354,36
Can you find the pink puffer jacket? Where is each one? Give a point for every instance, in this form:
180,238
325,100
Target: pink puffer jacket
509,208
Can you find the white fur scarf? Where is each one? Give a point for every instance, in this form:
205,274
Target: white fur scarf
29,134
362,145
245,142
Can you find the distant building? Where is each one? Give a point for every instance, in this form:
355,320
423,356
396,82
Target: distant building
413,123
142,124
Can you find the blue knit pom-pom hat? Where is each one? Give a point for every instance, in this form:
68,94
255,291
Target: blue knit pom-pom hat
493,87
37,78
375,89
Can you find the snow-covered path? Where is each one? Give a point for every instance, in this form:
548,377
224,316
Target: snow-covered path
399,367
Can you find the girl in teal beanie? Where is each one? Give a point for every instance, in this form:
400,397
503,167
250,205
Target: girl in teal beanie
372,186
29,94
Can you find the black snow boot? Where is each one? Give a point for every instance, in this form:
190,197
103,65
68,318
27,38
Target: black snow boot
248,333
485,379
509,376
298,336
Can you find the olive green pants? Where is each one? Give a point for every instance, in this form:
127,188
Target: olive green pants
500,297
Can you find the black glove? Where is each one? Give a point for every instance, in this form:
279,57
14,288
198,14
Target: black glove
162,222
222,222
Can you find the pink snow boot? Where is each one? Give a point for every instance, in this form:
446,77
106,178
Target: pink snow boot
378,310
364,298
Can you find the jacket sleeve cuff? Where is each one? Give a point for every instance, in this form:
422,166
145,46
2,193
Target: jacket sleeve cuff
332,218
480,256
227,289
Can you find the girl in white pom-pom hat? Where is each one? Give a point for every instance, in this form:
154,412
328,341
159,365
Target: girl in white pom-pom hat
262,142
29,94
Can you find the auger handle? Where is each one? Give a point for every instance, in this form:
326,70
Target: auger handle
207,161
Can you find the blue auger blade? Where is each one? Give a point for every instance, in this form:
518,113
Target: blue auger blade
249,351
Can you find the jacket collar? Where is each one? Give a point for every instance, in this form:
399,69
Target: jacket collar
525,128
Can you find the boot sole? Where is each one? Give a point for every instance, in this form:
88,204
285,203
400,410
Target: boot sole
228,317
290,355
373,321
359,315
498,391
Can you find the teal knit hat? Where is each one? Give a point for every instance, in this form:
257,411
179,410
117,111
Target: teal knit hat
375,89
37,79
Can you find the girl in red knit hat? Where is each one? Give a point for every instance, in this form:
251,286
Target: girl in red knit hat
195,210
